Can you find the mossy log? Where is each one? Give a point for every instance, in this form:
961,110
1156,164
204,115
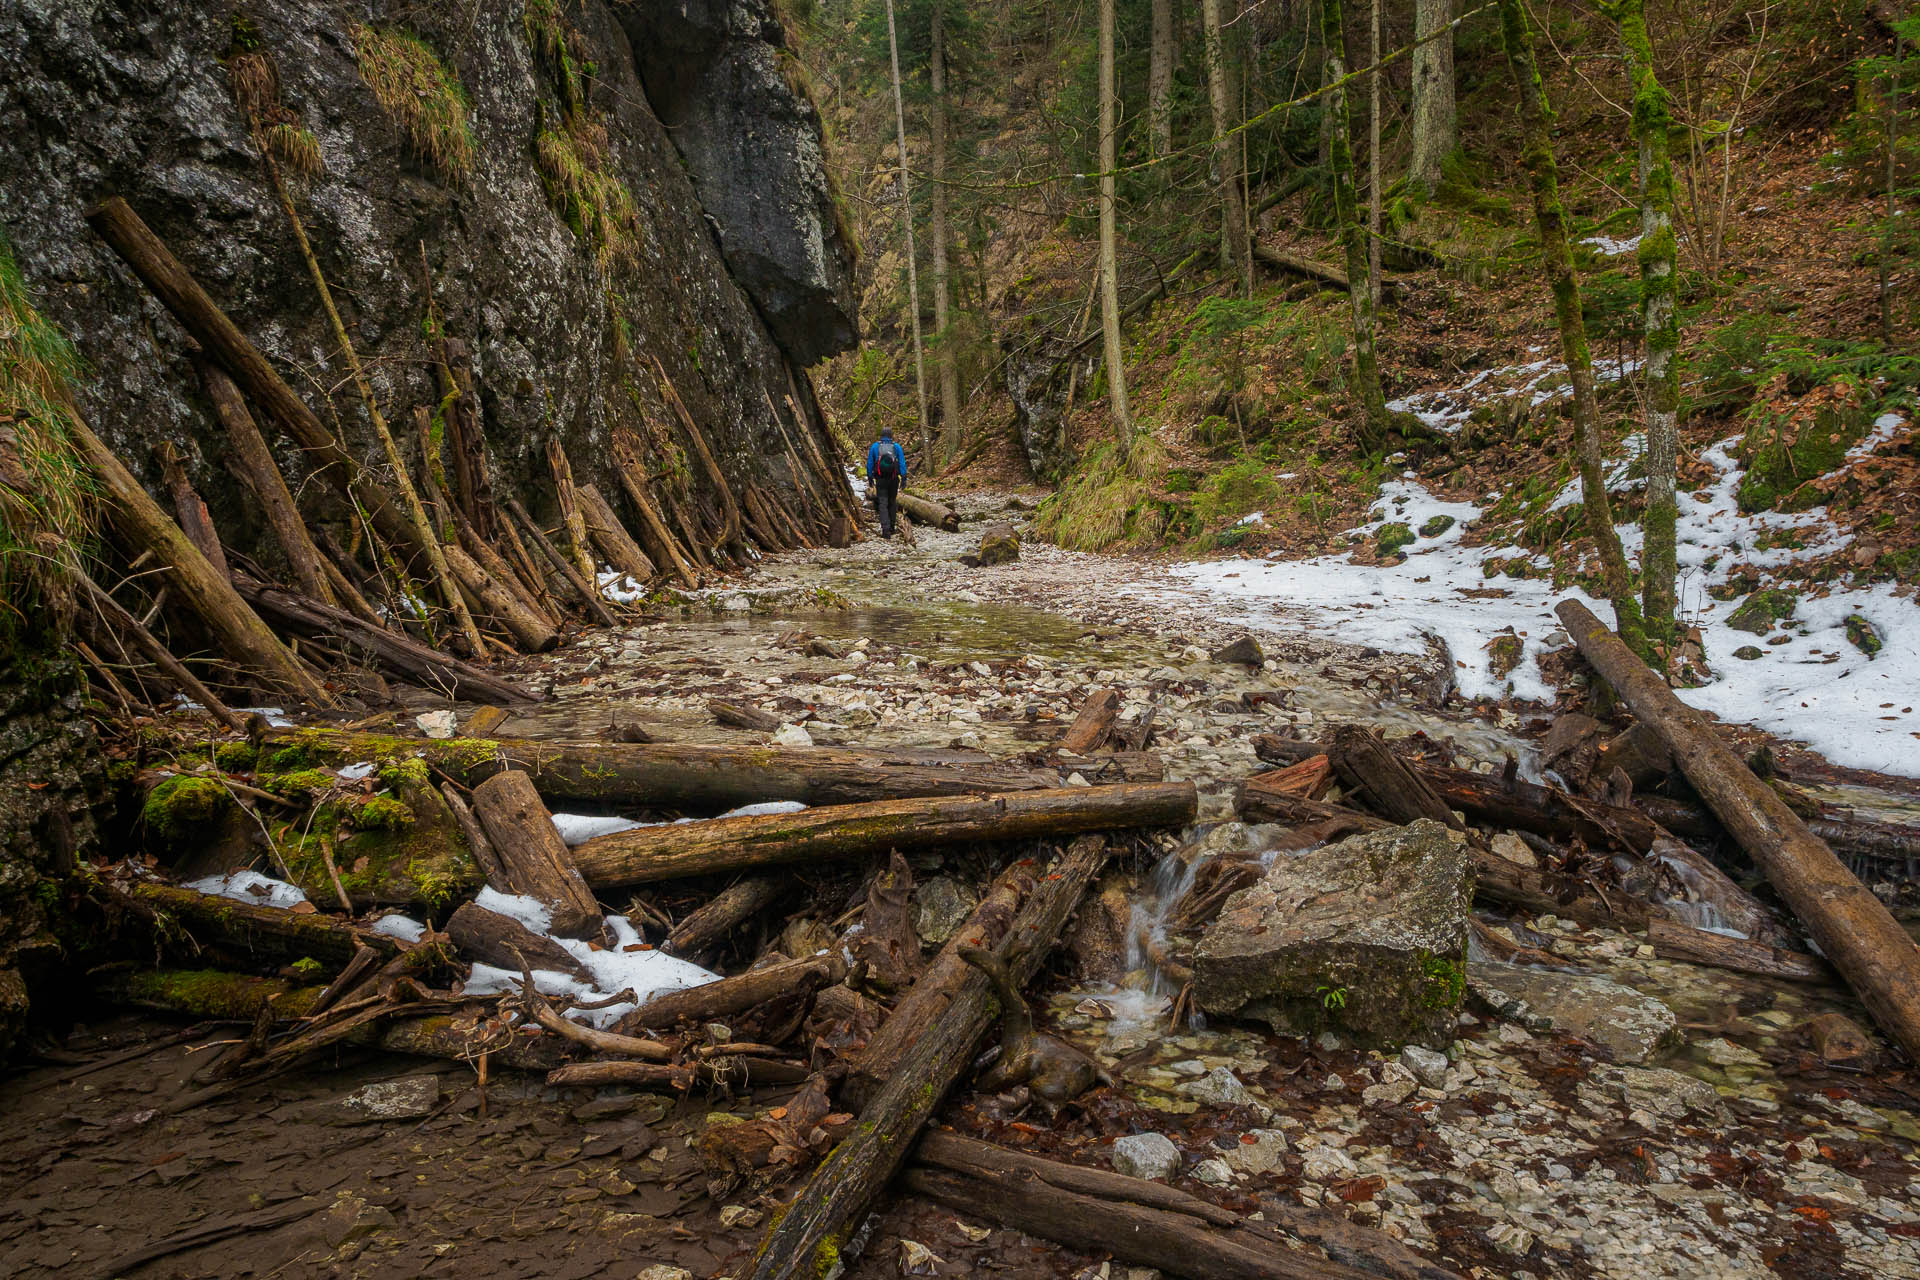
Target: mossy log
1852,928
403,851
805,1237
256,929
676,773
235,997
852,831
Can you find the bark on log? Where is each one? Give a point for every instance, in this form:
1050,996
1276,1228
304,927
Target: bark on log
678,773
1384,780
466,439
722,491
190,509
1149,1223
209,593
927,511
585,590
570,515
1093,723
1293,264
505,943
1675,941
399,654
608,534
529,594
736,716
703,928
852,831
1845,832
256,929
713,1000
203,319
662,547
806,1237
1851,927
533,858
530,631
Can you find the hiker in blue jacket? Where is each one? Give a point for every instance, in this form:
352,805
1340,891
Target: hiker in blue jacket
886,472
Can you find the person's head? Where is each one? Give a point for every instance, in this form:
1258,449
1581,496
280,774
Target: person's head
886,433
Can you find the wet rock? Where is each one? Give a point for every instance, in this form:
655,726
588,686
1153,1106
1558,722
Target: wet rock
1837,1038
1244,650
1659,1091
1634,1027
1213,1171
664,1271
791,735
351,1218
1221,1088
407,1098
1327,1164
1146,1155
1428,1066
1259,1151
1749,653
940,906
997,546
740,1216
1366,936
1513,849
1397,1084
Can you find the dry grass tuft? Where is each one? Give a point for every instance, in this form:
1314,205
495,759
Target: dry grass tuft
420,93
293,147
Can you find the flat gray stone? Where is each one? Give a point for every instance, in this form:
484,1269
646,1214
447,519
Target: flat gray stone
1634,1027
1366,937
407,1098
1428,1066
1146,1155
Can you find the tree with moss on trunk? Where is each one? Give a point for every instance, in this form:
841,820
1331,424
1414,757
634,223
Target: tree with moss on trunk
946,362
1109,265
1550,220
1376,427
1436,128
1660,325
1235,233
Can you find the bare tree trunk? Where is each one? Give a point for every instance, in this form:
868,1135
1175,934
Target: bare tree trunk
1109,286
1436,126
1161,55
1226,169
951,432
1536,115
1376,424
1660,325
906,224
1373,158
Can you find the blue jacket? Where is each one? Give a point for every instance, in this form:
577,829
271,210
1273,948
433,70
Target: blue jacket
899,455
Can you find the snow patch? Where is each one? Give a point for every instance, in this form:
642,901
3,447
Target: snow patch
578,828
251,886
405,928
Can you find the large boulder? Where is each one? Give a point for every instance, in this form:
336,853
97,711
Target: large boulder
1634,1028
1367,937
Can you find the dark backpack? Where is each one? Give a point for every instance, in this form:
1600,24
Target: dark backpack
887,466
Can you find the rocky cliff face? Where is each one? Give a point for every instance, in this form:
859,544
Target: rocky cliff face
565,240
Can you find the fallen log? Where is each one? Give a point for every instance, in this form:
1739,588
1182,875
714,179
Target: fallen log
1852,928
704,927
1372,772
585,589
927,511
711,1000
533,859
1293,264
806,1236
608,534
405,657
678,773
738,716
1093,723
722,491
256,929
1148,1223
505,943
532,633
1675,941
1845,832
851,831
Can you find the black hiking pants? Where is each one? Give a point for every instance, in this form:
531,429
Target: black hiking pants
886,495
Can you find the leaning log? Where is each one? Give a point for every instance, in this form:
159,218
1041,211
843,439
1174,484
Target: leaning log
611,536
678,773
926,511
125,627
1092,725
806,1236
255,929
1852,928
859,830
713,1000
530,631
586,589
533,858
407,658
190,509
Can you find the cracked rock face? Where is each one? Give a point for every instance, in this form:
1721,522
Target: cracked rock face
1366,936
1636,1028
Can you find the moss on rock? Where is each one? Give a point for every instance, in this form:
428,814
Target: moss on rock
1783,451
1391,538
180,808
1759,612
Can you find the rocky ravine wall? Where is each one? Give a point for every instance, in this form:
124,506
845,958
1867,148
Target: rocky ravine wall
105,97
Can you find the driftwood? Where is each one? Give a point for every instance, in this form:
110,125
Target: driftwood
125,626
533,858
1093,723
736,716
611,537
852,831
1372,772
713,920
491,596
704,1003
682,774
529,591
927,511
662,547
806,1236
407,658
1675,941
256,929
1853,929
1149,1223
507,944
584,589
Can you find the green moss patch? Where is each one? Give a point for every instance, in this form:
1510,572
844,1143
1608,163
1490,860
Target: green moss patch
1390,538
180,808
1759,612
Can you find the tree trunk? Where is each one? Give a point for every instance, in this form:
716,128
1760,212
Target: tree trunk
584,590
190,509
1659,322
1376,427
571,519
1162,54
533,858
853,831
1536,116
1851,926
947,365
530,631
1435,124
662,547
701,930
205,590
1109,266
1373,156
906,227
1226,169
466,439
407,658
805,1239
679,774
615,543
